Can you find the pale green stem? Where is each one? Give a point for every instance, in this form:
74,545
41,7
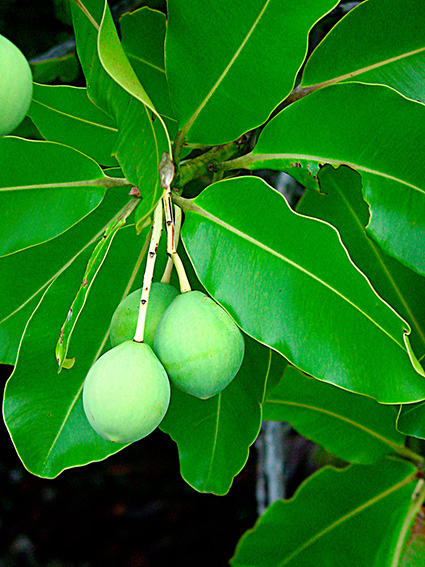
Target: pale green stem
171,243
148,275
115,182
177,225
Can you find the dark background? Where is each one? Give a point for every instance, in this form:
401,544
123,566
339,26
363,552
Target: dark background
131,510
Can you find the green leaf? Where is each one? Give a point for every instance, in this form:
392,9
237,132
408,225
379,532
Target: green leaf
354,428
375,131
19,296
92,269
66,115
341,204
411,420
377,42
143,37
114,87
43,409
352,516
64,68
228,67
45,188
289,283
214,436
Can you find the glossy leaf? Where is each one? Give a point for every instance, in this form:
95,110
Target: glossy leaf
355,515
43,409
377,42
94,264
375,131
354,428
341,204
45,188
219,87
66,115
19,296
114,87
289,283
143,37
411,420
64,67
214,436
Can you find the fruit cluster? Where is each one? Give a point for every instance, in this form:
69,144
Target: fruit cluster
189,339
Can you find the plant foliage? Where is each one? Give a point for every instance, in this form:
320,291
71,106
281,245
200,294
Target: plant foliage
329,294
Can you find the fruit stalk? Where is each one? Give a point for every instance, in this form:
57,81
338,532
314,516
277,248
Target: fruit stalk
177,225
171,242
148,275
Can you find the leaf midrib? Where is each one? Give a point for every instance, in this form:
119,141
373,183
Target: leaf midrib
194,116
260,157
74,117
198,210
368,68
347,517
386,271
102,344
339,417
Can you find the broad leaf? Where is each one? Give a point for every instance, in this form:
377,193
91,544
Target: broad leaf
45,188
341,204
143,37
354,428
379,42
114,87
43,409
63,67
19,296
411,420
290,284
355,515
228,67
66,115
375,131
214,436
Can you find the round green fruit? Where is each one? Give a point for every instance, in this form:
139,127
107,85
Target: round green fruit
124,320
15,86
126,393
199,345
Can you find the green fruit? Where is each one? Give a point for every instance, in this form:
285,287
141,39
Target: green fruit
124,320
15,86
199,345
126,393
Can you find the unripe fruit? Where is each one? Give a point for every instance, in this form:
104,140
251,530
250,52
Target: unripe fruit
126,393
15,86
124,320
199,345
